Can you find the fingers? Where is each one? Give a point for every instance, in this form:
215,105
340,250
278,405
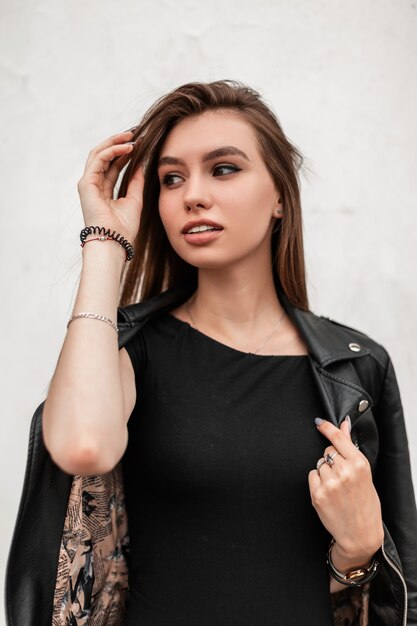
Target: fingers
345,427
340,438
331,451
101,162
333,459
113,172
119,139
342,459
314,481
136,185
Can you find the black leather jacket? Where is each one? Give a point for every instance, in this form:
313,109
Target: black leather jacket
355,377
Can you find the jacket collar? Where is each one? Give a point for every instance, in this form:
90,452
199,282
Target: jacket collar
327,341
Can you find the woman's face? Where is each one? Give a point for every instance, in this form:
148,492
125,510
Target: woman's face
235,191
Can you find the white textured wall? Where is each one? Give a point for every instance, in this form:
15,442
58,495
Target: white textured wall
341,77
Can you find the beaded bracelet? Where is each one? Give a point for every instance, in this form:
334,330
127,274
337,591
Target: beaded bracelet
106,234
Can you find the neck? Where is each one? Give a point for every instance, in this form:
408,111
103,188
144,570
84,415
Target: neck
235,302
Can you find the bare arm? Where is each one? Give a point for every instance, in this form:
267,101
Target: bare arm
92,392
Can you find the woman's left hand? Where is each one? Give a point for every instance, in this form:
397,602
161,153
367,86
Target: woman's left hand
345,497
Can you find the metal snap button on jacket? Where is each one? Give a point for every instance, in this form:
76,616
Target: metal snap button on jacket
355,347
363,405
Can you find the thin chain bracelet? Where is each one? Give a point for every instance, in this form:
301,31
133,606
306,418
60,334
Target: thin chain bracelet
102,318
106,234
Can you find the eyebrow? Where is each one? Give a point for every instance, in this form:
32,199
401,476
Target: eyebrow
213,154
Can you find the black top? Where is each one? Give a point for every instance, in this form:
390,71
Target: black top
222,528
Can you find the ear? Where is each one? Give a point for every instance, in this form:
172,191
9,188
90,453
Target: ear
278,208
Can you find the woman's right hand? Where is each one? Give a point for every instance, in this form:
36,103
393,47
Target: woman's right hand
96,188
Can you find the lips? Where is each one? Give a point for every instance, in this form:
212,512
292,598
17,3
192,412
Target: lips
203,237
201,222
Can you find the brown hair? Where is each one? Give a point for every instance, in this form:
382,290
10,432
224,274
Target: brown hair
156,266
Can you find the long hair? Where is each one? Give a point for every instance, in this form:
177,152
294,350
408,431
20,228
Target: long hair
156,266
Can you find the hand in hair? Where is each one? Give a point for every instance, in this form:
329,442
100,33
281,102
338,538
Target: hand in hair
96,187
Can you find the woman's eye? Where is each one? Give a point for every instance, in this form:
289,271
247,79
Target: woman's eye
167,179
227,167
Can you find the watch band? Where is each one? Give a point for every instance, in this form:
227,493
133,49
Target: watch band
353,578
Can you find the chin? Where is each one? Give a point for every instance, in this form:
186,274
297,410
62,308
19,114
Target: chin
205,264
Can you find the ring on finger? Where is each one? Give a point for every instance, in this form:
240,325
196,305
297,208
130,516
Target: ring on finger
329,458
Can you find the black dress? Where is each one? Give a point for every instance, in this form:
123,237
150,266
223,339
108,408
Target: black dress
222,529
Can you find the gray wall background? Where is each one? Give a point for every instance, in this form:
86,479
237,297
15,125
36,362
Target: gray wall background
340,75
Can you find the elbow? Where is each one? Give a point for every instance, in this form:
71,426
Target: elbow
86,459
82,452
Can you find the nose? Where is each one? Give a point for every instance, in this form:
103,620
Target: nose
196,195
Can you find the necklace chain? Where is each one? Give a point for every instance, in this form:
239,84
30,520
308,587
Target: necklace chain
261,346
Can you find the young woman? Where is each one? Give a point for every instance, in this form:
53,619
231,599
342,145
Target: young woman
264,454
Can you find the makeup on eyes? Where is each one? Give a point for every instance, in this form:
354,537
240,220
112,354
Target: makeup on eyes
233,168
